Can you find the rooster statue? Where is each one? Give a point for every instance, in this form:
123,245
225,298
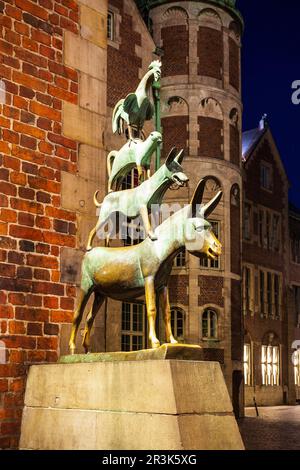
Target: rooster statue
137,107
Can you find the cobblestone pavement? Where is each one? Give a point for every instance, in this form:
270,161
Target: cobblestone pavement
277,428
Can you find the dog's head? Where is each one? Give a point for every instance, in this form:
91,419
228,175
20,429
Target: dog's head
174,168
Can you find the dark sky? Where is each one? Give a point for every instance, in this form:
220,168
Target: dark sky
271,63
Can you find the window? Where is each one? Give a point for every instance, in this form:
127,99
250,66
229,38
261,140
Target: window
133,326
262,292
261,228
131,180
266,179
276,230
276,296
247,222
110,26
247,281
296,361
209,324
180,260
270,294
212,263
270,365
247,364
295,247
297,305
177,323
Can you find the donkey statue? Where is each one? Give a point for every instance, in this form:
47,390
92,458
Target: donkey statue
135,153
129,272
135,202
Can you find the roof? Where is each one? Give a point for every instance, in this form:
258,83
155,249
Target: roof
294,211
250,139
146,5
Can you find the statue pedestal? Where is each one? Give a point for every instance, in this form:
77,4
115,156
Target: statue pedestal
150,404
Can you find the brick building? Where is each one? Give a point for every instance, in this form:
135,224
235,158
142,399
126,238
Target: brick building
64,64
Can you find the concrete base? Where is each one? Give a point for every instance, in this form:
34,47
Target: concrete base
142,405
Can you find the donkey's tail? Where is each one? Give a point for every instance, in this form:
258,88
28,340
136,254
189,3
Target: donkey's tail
110,159
97,204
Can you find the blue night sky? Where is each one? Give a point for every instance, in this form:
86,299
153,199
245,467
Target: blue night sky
271,63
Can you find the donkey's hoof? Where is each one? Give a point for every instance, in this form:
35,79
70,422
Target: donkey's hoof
152,236
72,350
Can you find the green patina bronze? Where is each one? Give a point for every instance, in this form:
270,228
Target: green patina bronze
137,107
135,202
129,272
135,153
181,352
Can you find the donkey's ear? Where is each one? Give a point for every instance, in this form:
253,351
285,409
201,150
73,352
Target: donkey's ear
197,196
179,157
171,157
208,208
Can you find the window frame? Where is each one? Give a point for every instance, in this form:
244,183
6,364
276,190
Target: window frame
174,323
110,25
248,378
131,333
268,366
212,316
207,263
264,176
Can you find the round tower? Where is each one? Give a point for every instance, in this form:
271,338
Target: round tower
201,108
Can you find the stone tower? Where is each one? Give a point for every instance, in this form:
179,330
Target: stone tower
200,43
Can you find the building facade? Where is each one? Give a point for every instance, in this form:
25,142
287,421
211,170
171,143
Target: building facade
64,64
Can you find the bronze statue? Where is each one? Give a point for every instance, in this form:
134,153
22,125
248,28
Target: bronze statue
138,201
135,153
129,272
137,108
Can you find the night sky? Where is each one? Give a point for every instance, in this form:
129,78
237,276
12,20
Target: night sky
271,63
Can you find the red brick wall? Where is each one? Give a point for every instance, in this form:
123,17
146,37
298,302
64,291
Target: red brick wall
211,288
235,152
234,64
123,64
175,133
175,59
210,137
210,52
33,227
178,287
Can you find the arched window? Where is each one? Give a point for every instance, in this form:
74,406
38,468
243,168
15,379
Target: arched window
177,323
209,324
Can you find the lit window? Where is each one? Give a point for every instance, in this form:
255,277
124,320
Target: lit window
296,361
133,326
110,26
270,365
208,262
247,364
266,180
177,323
247,222
180,260
209,324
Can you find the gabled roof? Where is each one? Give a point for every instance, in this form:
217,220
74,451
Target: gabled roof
250,139
294,211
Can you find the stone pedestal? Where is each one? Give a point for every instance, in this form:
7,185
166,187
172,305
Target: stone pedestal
150,404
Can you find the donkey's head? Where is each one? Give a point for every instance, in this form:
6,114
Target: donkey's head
174,171
199,237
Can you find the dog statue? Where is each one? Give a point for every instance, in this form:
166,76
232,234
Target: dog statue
138,201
